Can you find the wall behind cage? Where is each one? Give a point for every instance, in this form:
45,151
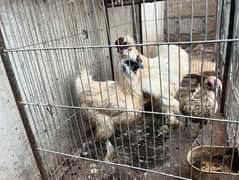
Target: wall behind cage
144,22
44,76
164,21
152,15
186,16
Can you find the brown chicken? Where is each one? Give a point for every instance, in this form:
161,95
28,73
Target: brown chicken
202,99
115,101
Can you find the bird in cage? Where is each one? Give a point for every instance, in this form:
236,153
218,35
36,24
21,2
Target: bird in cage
115,102
160,77
199,99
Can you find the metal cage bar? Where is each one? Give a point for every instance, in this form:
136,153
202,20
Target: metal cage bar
54,42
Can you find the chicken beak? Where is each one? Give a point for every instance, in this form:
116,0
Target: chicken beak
219,87
219,91
139,63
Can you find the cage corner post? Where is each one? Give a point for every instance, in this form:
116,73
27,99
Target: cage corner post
228,55
23,115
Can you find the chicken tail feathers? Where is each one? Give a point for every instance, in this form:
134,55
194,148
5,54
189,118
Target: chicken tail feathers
82,81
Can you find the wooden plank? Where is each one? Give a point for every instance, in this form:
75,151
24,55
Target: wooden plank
152,26
199,8
182,30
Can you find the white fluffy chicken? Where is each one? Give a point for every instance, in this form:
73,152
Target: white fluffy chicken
202,100
161,76
112,98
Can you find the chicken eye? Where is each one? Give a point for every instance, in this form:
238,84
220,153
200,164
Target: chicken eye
209,84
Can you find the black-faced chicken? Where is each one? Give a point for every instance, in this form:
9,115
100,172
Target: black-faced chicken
161,76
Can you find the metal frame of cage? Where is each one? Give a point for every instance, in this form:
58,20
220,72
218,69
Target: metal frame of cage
11,55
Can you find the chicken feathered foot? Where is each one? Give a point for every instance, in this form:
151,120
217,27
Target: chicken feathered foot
170,122
173,122
110,151
173,105
163,130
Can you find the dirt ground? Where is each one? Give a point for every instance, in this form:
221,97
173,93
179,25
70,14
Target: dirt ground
164,153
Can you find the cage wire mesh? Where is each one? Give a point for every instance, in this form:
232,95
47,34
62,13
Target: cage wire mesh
48,42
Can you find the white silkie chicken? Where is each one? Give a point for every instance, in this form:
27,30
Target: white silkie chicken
161,76
112,97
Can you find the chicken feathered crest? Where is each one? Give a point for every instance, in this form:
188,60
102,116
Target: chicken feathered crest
123,94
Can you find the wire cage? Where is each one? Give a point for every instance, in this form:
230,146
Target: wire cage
46,43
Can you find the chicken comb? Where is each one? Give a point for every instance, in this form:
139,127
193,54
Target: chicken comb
120,41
